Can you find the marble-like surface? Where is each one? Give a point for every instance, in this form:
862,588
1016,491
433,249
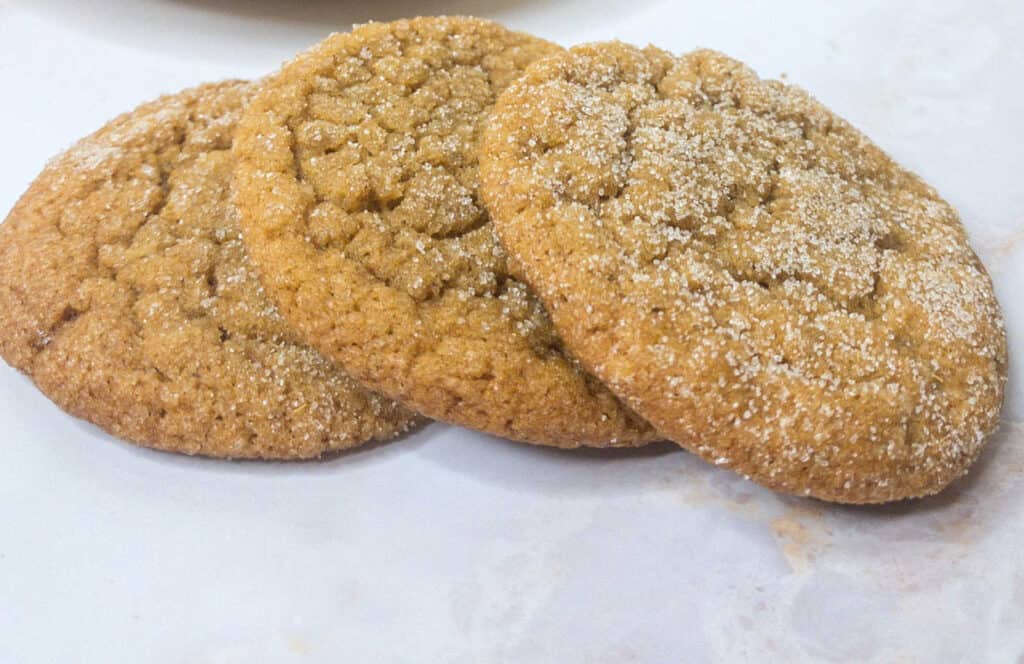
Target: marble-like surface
451,547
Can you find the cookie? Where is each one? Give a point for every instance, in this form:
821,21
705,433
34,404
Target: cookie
126,295
357,186
749,272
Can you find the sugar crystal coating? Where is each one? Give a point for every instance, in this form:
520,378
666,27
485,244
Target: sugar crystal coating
748,271
127,296
357,183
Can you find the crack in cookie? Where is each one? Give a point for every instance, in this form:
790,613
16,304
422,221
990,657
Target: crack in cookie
357,185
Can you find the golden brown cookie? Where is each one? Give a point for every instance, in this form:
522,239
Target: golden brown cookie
357,186
748,271
126,295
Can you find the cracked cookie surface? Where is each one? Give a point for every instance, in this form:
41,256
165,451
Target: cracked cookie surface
126,295
748,271
357,185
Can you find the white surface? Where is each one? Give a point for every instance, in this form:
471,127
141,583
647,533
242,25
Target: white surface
451,547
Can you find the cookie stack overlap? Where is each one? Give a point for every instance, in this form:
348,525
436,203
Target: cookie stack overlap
569,248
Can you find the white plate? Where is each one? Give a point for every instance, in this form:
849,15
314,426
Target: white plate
450,546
